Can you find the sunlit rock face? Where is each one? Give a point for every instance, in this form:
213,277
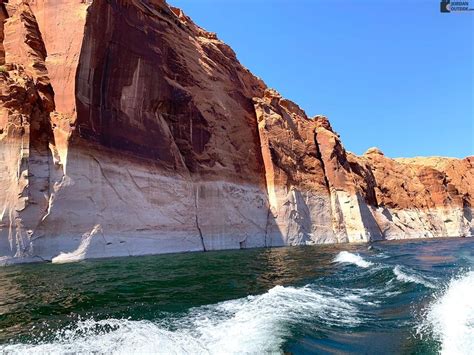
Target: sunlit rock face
298,193
423,197
126,129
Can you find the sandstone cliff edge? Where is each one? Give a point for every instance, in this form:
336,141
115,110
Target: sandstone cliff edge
126,129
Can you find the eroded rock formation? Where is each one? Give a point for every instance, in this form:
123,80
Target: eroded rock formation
126,129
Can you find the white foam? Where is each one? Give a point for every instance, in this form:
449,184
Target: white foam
356,259
411,277
255,324
451,316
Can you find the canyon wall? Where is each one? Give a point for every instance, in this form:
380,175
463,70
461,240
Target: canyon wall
126,129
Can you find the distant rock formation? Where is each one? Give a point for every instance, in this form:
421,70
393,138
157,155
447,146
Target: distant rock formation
126,129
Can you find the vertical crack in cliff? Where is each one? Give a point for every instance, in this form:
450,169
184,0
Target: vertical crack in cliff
334,210
320,158
262,162
197,218
266,227
103,91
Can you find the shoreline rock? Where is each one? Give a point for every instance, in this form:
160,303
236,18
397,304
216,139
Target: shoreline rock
126,129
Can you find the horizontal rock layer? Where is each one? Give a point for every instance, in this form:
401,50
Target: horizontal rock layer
126,129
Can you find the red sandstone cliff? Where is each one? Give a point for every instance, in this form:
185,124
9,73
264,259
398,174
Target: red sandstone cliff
126,129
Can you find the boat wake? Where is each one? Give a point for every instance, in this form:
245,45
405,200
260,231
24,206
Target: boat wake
405,276
402,274
356,259
254,324
450,318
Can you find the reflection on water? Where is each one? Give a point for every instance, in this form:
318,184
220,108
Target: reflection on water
293,266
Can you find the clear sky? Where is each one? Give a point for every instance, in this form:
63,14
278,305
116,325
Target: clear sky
393,74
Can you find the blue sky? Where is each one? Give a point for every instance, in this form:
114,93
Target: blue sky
393,74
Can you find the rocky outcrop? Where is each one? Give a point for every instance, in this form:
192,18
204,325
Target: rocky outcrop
126,129
27,148
422,197
298,192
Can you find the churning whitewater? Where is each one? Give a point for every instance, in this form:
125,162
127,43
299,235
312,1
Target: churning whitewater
302,300
356,259
247,325
451,316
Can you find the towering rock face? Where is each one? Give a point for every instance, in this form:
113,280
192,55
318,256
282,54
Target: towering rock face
126,129
298,191
27,148
351,188
61,23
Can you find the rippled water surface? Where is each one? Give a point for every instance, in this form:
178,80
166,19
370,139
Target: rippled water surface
410,297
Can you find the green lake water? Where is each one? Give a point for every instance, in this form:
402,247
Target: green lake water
413,297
